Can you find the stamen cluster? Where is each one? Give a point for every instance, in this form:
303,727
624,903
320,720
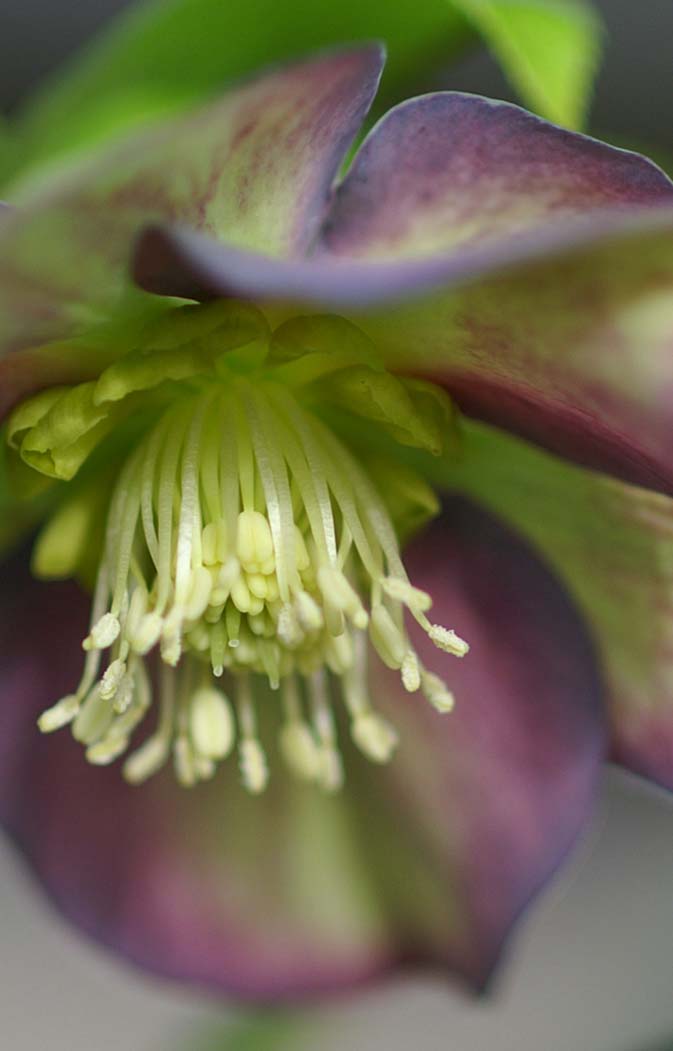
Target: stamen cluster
245,540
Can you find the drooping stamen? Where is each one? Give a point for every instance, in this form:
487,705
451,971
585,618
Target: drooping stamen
245,542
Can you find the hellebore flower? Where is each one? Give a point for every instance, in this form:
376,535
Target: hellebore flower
233,477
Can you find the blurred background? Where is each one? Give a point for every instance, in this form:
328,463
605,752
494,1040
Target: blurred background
592,968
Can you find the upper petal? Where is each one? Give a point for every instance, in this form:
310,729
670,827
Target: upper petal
293,893
255,167
450,171
528,268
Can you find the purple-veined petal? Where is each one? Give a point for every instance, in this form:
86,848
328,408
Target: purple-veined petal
612,544
427,862
255,167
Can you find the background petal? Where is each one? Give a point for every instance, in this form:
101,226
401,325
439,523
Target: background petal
255,167
612,544
426,862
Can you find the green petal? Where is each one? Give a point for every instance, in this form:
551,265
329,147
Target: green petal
612,544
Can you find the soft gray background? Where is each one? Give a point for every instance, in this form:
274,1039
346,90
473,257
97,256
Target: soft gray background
592,967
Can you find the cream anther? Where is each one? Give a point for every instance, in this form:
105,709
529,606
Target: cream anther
254,770
112,679
59,714
254,543
436,692
411,672
103,634
447,640
211,723
147,761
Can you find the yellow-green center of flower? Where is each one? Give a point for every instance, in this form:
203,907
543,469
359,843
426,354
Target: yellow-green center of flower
247,543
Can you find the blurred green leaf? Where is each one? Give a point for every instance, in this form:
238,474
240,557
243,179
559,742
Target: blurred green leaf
550,50
162,55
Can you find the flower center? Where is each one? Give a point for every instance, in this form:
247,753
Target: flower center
248,546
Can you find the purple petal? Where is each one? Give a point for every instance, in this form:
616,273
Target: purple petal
297,893
448,171
259,898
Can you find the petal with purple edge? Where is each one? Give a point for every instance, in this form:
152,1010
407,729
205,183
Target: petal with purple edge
450,171
256,166
427,861
612,544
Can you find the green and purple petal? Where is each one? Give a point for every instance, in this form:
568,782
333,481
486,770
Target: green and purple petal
450,171
425,863
255,168
612,544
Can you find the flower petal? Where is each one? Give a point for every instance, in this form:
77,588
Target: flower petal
536,265
496,792
257,165
612,544
447,171
296,892
257,897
